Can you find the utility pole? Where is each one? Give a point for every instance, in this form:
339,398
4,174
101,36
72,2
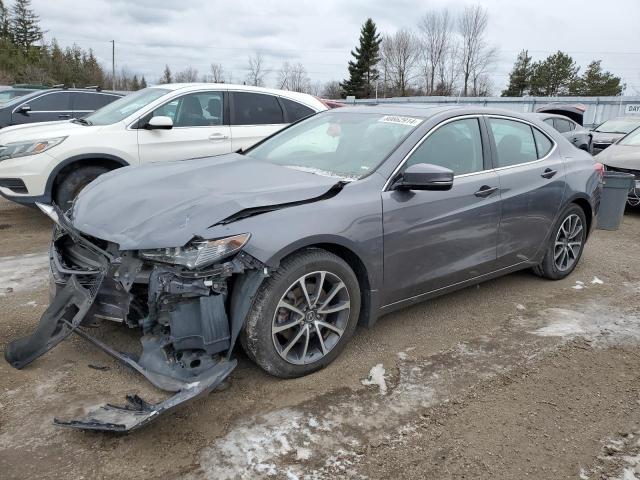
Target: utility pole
113,64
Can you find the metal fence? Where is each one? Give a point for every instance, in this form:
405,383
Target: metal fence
598,110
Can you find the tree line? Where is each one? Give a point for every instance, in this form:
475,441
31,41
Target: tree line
26,58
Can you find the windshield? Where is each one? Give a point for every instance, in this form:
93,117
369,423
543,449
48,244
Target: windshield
9,97
632,139
337,144
618,126
125,106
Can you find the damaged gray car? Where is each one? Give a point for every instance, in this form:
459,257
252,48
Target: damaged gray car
285,248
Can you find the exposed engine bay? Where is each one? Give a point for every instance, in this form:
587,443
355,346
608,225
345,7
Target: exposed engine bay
188,320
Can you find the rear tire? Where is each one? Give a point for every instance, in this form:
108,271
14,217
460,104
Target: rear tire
70,186
287,344
565,245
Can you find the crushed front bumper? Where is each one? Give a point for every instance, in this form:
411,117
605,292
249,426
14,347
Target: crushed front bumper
183,355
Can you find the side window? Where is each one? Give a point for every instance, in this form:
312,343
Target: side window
255,109
51,102
514,142
543,144
295,111
88,102
201,109
549,121
456,146
562,126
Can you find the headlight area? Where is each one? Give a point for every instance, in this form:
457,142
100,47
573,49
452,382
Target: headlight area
27,148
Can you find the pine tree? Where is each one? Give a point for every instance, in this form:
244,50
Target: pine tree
594,82
166,76
362,70
25,25
4,22
520,76
135,84
554,76
143,83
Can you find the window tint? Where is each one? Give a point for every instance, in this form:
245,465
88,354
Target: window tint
82,101
543,144
514,142
562,125
456,146
56,101
200,109
255,109
295,111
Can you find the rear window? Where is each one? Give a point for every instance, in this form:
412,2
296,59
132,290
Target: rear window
514,142
295,111
256,109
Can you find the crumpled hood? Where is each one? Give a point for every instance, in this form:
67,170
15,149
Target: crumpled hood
621,156
167,204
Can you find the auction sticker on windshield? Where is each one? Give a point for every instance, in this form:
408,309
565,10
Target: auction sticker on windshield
401,120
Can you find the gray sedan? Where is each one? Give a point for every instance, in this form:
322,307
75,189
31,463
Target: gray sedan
285,248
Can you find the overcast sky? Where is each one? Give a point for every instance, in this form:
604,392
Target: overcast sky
320,34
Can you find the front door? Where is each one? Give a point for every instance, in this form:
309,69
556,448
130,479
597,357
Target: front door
532,184
48,107
199,129
434,239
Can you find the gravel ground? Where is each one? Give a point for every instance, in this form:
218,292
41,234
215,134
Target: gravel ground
516,378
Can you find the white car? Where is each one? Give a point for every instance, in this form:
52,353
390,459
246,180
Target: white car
53,161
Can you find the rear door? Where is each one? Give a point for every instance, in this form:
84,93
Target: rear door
532,184
200,129
49,106
254,116
434,239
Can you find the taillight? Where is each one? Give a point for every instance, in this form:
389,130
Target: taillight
599,168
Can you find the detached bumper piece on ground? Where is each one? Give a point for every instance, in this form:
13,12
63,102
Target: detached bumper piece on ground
186,338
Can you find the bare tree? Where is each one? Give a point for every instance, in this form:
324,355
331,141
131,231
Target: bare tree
399,55
449,71
257,70
217,73
332,90
188,75
293,77
475,55
436,37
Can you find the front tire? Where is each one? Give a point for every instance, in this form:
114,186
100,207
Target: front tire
303,315
70,186
565,246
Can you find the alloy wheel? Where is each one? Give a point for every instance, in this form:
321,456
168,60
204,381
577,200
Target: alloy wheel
311,317
568,243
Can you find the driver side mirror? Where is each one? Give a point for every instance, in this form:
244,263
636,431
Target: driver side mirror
24,108
424,176
159,123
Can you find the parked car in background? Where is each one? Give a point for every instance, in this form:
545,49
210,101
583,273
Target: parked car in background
53,104
579,136
346,215
609,132
54,161
624,156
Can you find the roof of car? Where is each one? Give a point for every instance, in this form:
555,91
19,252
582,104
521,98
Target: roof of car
425,111
551,115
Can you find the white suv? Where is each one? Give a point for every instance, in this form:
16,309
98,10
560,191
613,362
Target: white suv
53,161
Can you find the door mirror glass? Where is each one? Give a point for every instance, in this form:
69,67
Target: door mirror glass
424,176
24,108
160,123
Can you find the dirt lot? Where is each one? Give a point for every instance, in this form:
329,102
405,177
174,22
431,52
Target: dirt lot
517,378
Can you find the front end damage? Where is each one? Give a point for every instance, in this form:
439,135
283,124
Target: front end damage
188,322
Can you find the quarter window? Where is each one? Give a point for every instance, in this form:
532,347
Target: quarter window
456,146
51,102
514,142
200,109
256,109
295,111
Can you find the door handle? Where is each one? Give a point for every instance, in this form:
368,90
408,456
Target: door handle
548,173
485,191
64,115
217,136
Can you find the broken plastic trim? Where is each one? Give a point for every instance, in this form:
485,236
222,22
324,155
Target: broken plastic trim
250,212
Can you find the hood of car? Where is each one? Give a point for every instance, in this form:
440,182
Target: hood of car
37,131
168,204
604,137
621,156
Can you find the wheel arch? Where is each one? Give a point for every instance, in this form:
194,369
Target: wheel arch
63,168
585,205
